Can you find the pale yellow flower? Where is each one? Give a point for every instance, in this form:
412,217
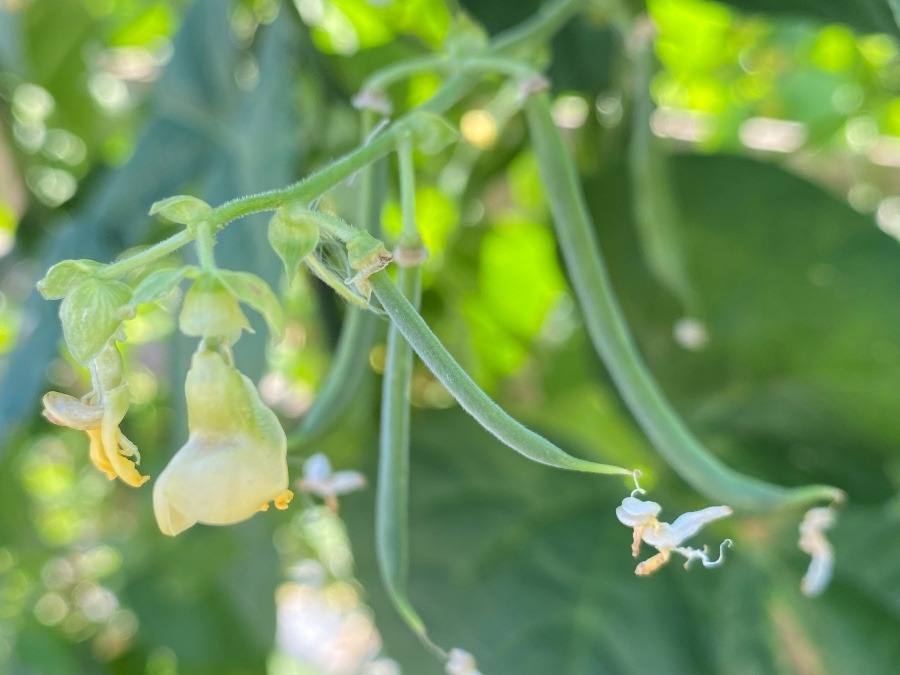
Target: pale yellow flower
234,462
99,414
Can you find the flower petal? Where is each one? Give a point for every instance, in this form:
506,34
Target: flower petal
635,512
688,524
68,411
316,469
347,481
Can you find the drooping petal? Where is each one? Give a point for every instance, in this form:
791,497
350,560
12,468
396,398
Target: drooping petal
636,512
68,411
98,456
814,542
343,482
115,405
688,524
216,480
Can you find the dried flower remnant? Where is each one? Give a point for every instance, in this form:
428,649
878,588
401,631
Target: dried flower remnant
813,542
667,538
99,413
320,480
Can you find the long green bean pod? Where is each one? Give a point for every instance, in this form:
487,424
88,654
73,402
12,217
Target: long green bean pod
652,202
392,495
615,345
468,394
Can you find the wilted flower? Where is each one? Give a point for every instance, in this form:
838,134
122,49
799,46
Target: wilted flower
234,462
461,662
813,542
667,538
99,413
320,480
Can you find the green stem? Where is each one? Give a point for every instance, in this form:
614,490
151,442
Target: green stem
529,35
537,31
409,234
205,244
489,63
473,400
613,341
147,256
384,78
350,365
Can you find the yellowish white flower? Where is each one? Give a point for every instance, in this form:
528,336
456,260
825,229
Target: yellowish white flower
99,413
320,480
234,462
461,662
667,538
814,542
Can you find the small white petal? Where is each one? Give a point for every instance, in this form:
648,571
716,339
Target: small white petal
661,535
461,662
346,481
636,512
688,524
316,469
814,542
818,575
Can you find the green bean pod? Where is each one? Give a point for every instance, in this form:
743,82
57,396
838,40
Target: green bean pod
615,345
472,399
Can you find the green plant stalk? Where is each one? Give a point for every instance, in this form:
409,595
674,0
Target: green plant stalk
384,78
614,343
350,364
530,35
205,243
472,399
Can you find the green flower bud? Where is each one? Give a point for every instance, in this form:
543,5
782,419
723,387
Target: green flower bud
181,209
211,310
64,276
367,255
293,235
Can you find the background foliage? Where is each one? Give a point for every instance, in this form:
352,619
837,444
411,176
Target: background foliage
773,168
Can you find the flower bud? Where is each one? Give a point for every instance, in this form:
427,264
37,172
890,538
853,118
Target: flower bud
182,209
293,235
210,310
234,462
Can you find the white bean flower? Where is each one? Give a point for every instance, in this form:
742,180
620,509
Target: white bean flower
461,662
813,542
319,479
667,538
